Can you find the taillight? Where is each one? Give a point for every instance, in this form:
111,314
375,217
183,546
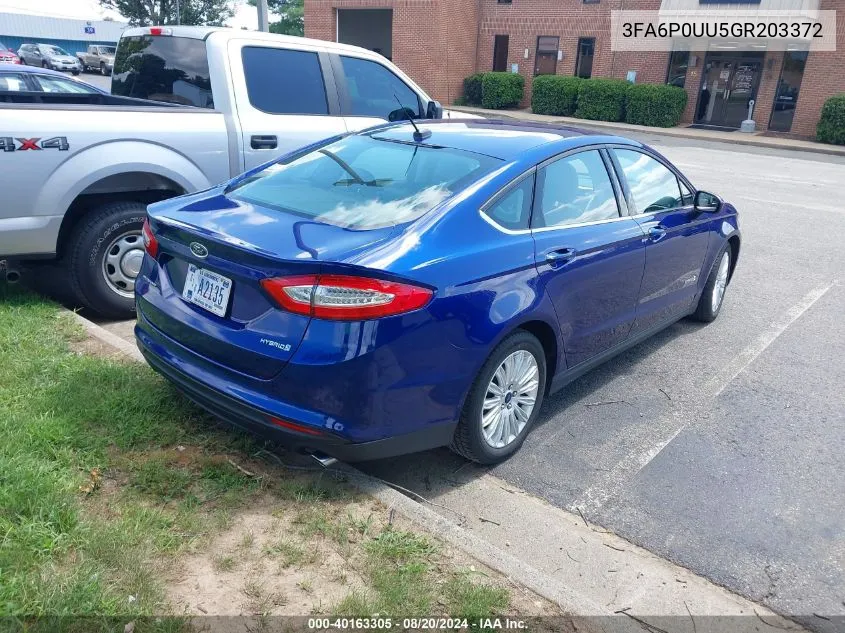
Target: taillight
150,241
345,297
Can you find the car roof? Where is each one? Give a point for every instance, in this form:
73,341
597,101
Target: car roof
35,70
504,139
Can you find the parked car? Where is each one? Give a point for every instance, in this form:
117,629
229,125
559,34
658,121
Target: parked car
24,84
49,56
7,56
83,201
98,58
392,290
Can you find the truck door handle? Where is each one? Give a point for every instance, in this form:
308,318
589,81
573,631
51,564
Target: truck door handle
656,233
263,142
560,256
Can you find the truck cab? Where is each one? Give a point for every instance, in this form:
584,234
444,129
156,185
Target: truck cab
278,92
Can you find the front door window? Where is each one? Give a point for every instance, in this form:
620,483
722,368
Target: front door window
728,85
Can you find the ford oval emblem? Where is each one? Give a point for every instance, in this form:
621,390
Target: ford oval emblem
199,250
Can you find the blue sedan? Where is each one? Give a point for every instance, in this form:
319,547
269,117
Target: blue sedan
398,289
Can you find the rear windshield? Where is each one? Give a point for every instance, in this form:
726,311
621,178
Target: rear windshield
162,68
365,182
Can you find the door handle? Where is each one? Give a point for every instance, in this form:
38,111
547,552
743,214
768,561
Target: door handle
560,256
656,233
263,142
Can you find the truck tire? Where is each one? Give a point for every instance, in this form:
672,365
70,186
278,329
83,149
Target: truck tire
103,258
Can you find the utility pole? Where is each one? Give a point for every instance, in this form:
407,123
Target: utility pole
178,14
263,18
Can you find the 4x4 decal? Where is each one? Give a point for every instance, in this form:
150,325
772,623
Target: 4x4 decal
7,143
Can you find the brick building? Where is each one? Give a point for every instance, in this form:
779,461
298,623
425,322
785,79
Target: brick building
439,42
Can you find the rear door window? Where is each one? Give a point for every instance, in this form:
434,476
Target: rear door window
59,85
573,190
163,68
374,91
13,82
284,81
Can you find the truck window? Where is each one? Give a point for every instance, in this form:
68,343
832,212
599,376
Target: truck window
163,68
373,89
266,69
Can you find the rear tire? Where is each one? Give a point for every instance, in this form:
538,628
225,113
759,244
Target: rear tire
471,438
103,258
103,71
713,295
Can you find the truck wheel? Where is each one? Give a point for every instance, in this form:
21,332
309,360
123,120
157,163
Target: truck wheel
103,69
104,257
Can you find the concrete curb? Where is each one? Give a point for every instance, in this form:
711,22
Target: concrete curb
591,616
104,336
734,138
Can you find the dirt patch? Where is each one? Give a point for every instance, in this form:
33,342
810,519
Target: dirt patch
262,565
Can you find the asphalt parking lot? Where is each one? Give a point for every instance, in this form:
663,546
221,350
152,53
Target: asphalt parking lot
718,447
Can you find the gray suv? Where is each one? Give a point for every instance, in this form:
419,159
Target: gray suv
49,56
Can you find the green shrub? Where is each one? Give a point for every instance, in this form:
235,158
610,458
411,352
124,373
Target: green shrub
553,94
472,89
831,127
657,105
501,90
602,99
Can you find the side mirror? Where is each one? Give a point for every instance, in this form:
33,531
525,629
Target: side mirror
705,202
434,110
401,114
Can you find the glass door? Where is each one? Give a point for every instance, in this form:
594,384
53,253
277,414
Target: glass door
728,84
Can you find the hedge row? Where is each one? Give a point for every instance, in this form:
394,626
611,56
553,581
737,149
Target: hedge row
494,90
831,127
609,100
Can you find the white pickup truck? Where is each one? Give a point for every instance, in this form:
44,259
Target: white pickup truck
77,173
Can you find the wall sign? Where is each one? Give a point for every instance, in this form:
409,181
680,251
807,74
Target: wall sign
89,30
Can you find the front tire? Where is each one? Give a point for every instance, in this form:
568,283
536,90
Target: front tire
503,402
103,70
104,257
713,295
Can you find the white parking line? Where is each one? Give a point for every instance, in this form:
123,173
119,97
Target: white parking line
716,385
614,480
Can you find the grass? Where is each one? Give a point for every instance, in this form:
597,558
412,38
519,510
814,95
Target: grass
94,494
108,476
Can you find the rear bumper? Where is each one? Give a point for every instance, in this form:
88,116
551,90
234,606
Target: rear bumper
237,412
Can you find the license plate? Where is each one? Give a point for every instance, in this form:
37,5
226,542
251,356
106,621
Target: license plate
208,290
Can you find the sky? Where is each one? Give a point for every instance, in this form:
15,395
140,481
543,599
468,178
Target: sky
245,15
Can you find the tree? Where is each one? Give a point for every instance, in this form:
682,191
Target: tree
291,16
192,12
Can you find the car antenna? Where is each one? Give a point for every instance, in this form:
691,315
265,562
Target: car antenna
419,135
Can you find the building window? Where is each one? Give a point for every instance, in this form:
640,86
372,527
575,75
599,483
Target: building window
676,73
500,53
786,97
590,1
545,61
505,1
584,59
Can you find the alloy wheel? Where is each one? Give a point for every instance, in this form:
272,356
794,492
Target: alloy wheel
721,282
510,399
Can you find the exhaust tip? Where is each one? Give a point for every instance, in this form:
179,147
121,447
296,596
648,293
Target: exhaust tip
324,460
